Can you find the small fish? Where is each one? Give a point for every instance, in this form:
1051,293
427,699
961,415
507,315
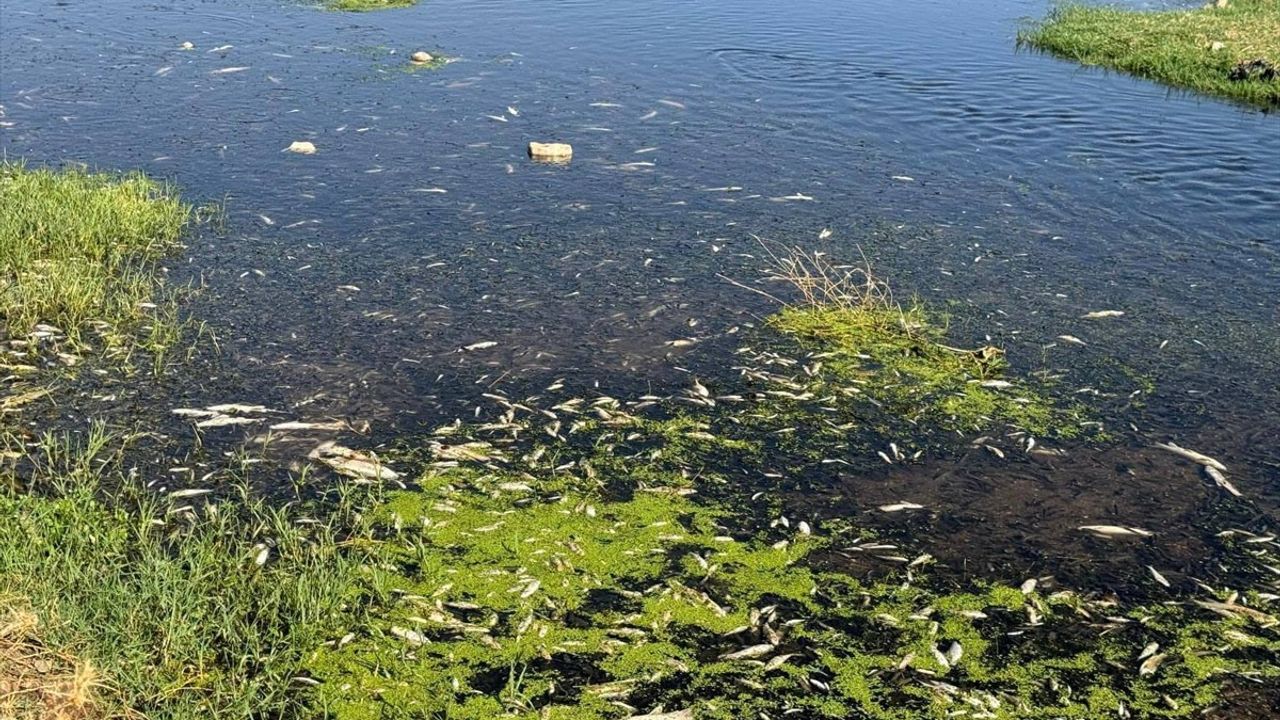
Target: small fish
239,408
1193,456
266,220
190,492
824,234
1115,531
605,105
1072,339
1221,480
1150,665
900,506
498,118
229,70
672,103
485,344
649,115
749,653
514,112
904,178
1158,577
1096,314
225,420
531,588
410,636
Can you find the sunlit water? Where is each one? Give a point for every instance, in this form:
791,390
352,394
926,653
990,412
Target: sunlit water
1016,190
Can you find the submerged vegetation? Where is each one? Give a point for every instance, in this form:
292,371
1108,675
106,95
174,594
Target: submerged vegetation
591,559
368,5
1230,48
78,254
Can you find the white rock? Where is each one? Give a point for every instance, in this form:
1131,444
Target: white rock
551,152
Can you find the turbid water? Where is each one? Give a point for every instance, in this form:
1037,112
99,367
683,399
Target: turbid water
1014,190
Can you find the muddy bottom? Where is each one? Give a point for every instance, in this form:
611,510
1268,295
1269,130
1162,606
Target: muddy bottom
1020,517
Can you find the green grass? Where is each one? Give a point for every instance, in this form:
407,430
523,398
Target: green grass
169,606
78,252
1173,47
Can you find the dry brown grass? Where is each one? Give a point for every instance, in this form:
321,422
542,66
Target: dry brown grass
39,683
821,282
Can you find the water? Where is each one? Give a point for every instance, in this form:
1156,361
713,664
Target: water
1022,190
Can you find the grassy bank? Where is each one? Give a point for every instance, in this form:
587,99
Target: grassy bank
165,606
1198,49
78,254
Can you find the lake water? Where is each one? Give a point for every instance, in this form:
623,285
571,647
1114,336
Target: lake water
1015,190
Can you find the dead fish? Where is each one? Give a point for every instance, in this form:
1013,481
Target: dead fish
410,636
824,233
898,507
483,345
672,103
239,408
229,70
191,492
1193,456
514,112
904,178
1158,577
1072,339
1115,531
225,420
299,425
749,653
498,118
1096,314
777,661
1221,480
1150,665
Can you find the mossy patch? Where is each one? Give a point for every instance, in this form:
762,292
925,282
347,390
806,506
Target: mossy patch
496,595
900,361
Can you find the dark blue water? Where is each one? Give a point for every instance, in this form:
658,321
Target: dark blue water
1014,189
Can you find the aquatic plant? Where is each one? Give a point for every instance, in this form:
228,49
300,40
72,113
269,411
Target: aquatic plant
1230,49
368,5
534,593
78,254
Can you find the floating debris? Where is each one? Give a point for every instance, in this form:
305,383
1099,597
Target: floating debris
301,147
1098,314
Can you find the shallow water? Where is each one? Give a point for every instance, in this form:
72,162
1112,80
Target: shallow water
1013,189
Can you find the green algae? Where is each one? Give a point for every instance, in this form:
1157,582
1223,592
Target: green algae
899,359
532,594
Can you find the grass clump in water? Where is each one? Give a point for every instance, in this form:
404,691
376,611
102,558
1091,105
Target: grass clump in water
866,345
368,5
1210,49
78,252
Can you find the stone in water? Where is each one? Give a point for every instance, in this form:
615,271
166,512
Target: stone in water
551,152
